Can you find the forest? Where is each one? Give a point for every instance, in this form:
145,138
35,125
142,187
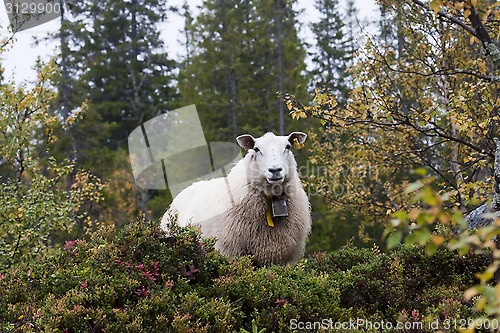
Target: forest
401,167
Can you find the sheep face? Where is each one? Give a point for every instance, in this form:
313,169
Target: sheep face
271,158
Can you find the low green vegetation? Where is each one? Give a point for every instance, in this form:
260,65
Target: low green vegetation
139,279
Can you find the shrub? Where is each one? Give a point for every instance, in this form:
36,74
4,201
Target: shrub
138,279
41,199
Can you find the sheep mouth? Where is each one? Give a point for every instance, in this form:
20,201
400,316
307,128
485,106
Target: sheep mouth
275,180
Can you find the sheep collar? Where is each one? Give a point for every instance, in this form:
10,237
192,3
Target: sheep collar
276,208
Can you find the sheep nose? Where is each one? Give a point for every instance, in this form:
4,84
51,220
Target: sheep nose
275,170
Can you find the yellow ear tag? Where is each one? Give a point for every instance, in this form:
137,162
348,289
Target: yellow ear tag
269,218
297,144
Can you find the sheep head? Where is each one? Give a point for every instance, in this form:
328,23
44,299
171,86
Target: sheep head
271,156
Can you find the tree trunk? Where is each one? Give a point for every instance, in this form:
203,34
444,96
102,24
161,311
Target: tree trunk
454,162
64,91
63,87
188,20
233,102
496,169
495,206
280,68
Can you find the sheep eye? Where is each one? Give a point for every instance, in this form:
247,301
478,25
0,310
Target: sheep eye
288,147
256,149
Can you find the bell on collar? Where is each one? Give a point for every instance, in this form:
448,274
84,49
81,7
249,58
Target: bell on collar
279,208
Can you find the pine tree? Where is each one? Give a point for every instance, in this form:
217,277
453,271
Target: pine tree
352,27
335,35
116,62
234,72
334,49
281,55
188,21
112,58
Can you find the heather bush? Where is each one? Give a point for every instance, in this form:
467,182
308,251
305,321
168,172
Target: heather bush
139,279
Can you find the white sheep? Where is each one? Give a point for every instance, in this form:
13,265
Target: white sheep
238,210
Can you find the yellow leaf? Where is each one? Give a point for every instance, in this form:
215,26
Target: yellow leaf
414,213
437,239
473,2
486,276
444,218
467,13
480,303
297,144
496,4
485,15
435,5
459,5
469,293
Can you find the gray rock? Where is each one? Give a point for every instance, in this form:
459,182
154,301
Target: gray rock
485,214
481,217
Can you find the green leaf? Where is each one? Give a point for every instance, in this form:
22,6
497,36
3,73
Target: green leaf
394,239
431,248
464,250
420,172
400,215
488,232
414,187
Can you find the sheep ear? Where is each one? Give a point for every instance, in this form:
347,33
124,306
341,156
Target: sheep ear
246,141
297,139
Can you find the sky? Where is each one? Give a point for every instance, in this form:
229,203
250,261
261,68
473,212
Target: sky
20,59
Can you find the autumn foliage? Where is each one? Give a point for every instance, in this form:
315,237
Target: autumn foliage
401,149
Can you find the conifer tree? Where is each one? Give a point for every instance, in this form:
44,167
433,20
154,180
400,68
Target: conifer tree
115,61
334,48
112,59
234,72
